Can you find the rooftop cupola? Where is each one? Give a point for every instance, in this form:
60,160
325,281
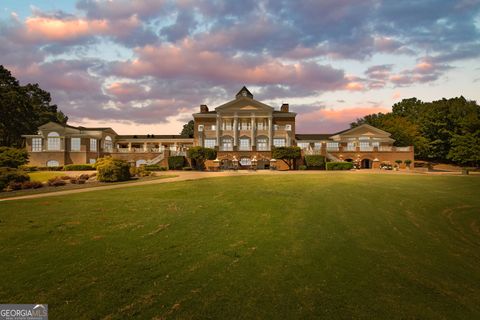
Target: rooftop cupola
284,107
244,92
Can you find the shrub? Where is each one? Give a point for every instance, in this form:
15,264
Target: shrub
73,180
176,162
315,161
13,185
187,168
81,181
32,185
155,167
78,167
57,168
28,168
408,162
111,170
13,157
65,177
339,165
84,176
10,174
56,182
398,162
302,167
140,172
93,175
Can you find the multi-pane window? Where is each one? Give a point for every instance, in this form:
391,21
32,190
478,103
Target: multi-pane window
244,144
75,144
245,124
93,144
227,144
36,144
262,144
53,142
332,146
92,161
210,143
279,142
227,125
318,145
303,145
108,144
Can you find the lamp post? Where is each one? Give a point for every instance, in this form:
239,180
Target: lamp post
273,163
235,163
217,163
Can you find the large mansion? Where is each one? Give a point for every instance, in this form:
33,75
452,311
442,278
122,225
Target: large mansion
243,131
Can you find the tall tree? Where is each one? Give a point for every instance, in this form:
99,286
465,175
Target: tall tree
188,129
23,109
433,128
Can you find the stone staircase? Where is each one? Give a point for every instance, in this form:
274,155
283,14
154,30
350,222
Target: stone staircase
331,157
156,160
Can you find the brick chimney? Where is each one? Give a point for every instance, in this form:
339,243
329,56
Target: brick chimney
203,108
284,107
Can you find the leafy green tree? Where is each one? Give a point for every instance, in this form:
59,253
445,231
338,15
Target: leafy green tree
433,128
465,149
287,155
23,109
188,129
12,157
112,170
200,154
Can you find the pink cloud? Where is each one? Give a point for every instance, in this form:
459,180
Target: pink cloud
54,29
332,120
187,59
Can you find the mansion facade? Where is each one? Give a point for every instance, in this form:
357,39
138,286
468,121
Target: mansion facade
243,131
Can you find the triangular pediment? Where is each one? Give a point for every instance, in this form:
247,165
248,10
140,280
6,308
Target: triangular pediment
365,130
244,104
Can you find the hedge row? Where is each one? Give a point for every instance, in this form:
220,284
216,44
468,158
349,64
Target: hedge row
78,167
315,161
176,162
339,165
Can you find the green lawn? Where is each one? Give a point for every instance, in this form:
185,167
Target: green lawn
331,245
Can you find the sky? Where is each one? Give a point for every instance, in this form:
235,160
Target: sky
145,66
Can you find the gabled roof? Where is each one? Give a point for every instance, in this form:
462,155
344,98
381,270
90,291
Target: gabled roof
80,128
351,131
244,103
244,92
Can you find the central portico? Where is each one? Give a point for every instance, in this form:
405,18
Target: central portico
244,124
244,128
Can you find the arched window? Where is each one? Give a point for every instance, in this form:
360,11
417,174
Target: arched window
53,163
108,144
244,143
53,142
245,161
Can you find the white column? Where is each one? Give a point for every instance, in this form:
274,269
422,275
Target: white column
235,130
270,133
145,146
253,129
218,130
129,146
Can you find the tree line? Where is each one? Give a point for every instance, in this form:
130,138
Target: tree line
446,130
23,109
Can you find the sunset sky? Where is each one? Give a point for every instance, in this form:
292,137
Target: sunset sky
145,66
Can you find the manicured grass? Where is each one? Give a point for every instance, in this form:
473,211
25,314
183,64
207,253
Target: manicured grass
331,245
43,176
